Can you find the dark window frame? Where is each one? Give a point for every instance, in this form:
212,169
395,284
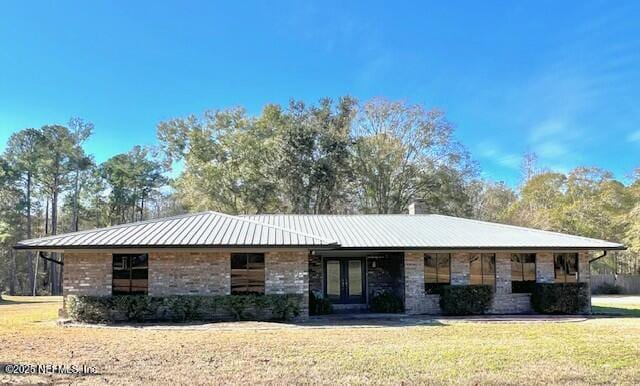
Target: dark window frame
522,285
247,269
435,287
482,274
565,267
128,260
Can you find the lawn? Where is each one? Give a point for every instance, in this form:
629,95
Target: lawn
602,350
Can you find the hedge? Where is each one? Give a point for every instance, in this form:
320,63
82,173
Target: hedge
386,302
559,298
180,308
318,305
466,299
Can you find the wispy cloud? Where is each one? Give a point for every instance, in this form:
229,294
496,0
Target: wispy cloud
634,137
492,152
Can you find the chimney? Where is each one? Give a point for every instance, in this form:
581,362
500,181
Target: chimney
418,206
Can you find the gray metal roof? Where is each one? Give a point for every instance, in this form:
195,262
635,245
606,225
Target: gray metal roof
207,229
427,231
217,230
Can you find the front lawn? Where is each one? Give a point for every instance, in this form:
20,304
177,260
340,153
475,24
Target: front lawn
603,350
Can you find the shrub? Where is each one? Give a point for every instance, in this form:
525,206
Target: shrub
319,306
560,298
608,289
180,308
466,299
386,302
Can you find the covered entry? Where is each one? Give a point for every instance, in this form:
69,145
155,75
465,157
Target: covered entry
350,279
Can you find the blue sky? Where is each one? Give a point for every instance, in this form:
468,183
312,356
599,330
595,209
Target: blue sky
561,80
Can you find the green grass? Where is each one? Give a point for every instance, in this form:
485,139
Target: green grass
595,351
617,305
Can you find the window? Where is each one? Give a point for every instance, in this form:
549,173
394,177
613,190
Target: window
247,273
523,272
482,268
130,274
566,267
437,271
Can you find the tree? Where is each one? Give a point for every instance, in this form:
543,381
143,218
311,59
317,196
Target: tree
230,159
24,152
315,156
81,130
131,179
399,151
491,201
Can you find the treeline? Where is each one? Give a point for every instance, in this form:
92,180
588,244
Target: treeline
331,157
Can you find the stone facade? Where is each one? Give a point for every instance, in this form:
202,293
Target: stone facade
189,273
87,274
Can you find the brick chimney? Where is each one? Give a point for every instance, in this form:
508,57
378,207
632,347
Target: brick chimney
418,206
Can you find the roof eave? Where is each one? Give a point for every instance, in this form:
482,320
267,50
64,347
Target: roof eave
178,246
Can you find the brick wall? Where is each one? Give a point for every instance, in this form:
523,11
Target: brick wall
87,274
418,302
189,273
315,274
288,273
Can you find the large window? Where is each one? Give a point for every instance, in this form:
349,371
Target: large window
482,269
247,273
130,274
523,272
566,267
437,271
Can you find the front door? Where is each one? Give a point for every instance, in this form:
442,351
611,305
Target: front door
344,280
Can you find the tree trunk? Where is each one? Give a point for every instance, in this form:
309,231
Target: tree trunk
53,278
76,209
35,278
12,273
30,275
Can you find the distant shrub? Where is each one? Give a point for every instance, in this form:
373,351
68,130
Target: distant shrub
180,308
319,306
608,289
560,298
466,299
386,302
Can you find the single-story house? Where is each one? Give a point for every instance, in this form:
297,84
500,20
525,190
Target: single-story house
346,259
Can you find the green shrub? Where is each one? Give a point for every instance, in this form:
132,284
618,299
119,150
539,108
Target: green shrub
559,298
608,289
319,306
466,299
386,302
180,308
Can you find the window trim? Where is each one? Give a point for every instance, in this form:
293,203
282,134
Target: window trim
130,270
535,272
565,266
246,269
482,275
434,285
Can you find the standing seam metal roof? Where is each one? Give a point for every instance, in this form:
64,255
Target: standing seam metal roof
218,230
206,229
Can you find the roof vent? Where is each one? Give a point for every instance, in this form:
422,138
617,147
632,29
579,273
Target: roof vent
418,206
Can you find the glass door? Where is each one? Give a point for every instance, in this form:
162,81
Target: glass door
344,280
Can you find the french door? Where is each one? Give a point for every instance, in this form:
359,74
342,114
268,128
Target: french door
344,280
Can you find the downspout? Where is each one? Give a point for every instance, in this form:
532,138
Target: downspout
42,255
604,253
